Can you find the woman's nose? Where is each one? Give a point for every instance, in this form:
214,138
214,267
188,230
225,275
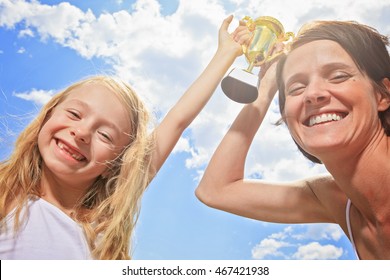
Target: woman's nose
316,93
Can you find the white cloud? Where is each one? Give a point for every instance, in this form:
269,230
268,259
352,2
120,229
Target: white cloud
39,97
282,234
198,158
161,56
26,33
182,145
21,50
13,12
288,244
321,232
316,251
268,248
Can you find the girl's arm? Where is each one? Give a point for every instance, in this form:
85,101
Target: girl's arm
196,97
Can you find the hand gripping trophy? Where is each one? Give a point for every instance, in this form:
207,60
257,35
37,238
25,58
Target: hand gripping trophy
240,85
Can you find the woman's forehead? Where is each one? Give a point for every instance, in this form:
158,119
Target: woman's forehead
314,54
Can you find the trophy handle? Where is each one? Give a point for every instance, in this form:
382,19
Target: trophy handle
249,23
287,36
270,58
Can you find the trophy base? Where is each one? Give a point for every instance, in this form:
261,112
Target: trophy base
240,86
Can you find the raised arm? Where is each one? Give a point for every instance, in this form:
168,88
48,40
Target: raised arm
223,185
196,97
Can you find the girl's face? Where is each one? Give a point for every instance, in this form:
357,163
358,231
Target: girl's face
89,128
329,102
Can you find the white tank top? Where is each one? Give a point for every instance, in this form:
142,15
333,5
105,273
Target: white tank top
47,233
347,211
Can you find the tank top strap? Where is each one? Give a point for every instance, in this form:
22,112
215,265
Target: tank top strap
348,220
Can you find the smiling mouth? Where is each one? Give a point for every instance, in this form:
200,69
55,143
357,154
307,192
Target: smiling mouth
325,118
73,153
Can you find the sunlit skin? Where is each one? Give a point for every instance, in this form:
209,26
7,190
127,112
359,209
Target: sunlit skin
351,143
84,132
331,110
328,84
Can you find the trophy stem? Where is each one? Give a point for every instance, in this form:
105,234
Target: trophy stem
250,67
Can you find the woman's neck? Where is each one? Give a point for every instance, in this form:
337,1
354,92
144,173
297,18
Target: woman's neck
365,178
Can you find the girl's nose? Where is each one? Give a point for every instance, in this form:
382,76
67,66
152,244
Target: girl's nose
80,134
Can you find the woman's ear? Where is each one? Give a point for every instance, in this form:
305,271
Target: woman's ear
384,100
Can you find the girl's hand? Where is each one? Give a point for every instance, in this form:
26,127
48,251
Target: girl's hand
231,41
242,35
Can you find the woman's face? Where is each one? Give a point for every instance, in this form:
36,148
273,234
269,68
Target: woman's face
86,130
330,104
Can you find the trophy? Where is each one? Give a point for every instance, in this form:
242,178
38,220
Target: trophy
241,85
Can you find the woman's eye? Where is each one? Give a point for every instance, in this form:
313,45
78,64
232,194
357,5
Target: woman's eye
339,77
295,90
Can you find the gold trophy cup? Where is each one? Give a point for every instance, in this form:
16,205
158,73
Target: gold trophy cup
241,85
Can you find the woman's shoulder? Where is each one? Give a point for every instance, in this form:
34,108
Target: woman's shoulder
320,180
324,184
330,195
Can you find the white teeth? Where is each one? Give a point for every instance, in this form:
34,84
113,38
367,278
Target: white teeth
66,149
324,118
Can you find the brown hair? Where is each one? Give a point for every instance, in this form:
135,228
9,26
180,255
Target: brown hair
365,45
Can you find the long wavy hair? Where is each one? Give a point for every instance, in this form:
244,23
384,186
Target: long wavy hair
365,45
109,211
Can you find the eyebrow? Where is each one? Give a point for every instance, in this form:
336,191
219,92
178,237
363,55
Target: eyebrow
88,108
325,68
337,65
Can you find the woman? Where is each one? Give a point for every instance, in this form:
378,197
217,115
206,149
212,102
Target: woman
334,98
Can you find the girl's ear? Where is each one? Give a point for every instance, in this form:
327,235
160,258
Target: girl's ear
384,101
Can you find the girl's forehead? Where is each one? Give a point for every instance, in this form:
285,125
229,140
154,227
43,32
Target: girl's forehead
94,95
90,90
100,100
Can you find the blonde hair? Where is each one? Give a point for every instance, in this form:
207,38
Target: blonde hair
110,209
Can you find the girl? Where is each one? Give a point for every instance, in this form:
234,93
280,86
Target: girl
71,189
334,96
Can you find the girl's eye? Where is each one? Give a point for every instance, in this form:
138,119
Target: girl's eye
106,137
74,114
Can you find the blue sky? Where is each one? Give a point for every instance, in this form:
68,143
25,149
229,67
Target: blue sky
160,47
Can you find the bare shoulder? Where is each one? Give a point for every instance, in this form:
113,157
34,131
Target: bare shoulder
329,194
319,182
323,184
